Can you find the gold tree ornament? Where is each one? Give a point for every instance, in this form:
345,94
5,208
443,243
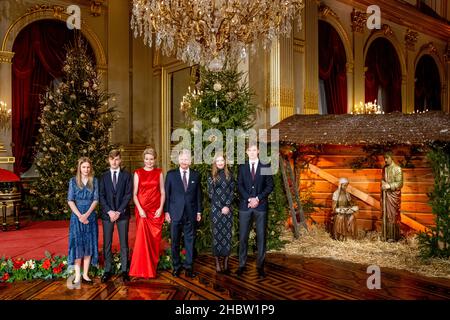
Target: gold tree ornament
207,32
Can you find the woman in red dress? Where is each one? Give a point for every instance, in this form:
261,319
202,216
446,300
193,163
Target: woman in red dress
148,196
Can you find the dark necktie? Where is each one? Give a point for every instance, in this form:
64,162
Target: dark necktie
253,171
185,184
114,180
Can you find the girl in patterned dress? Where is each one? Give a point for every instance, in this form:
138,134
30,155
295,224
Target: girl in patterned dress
221,192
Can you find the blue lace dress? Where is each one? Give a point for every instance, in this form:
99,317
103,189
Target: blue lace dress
83,238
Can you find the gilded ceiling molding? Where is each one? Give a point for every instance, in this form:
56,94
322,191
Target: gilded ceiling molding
358,21
411,39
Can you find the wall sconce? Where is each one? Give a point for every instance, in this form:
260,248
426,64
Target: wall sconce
5,116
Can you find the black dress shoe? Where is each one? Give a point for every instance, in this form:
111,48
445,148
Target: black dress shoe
176,273
240,271
84,281
106,277
189,273
125,276
261,272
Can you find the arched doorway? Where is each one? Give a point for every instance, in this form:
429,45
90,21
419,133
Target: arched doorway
383,78
40,50
332,71
427,86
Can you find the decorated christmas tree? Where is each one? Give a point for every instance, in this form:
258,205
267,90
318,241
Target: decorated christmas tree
76,121
222,101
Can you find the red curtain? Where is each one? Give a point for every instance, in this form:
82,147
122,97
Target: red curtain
383,70
332,68
427,91
39,55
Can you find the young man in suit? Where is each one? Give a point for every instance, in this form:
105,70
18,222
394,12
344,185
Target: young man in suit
115,194
255,183
183,207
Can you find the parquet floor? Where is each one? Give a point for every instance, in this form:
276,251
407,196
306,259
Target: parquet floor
288,278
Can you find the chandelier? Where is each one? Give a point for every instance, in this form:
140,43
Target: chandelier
5,116
208,32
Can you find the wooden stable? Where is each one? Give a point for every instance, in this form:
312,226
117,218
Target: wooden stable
322,175
331,145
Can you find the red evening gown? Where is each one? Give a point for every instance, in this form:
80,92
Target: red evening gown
144,261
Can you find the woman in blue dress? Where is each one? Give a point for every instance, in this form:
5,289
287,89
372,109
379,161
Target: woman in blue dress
83,231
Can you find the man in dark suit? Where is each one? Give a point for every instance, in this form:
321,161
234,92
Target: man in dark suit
115,194
183,207
255,183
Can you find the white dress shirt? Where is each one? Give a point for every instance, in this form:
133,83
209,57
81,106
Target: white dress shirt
256,164
117,174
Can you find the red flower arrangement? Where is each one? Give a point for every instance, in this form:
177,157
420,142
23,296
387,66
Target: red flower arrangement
17,263
46,264
58,269
5,277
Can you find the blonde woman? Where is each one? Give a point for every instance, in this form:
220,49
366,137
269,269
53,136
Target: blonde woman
148,196
221,192
83,231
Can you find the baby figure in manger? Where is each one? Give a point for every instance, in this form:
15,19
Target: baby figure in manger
344,213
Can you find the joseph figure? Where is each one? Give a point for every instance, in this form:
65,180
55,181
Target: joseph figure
391,185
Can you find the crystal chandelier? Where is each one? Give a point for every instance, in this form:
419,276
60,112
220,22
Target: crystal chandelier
5,116
207,32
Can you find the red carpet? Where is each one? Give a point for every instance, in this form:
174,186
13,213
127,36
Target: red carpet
34,238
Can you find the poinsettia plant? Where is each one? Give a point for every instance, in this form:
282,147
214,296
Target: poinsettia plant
54,267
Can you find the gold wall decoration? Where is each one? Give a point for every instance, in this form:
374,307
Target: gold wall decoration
6,56
387,30
325,11
311,103
350,66
359,20
299,45
447,53
57,10
96,7
411,39
7,160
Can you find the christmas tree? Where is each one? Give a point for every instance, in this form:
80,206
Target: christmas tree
222,101
436,243
76,121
